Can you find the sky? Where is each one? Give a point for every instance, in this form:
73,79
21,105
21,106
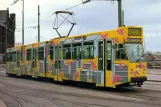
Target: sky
97,15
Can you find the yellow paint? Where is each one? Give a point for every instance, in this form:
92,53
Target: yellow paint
109,79
100,85
113,34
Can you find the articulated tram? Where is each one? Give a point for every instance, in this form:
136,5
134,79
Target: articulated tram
109,58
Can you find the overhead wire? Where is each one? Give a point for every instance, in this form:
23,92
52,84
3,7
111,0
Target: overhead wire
112,1
52,14
33,22
28,26
15,1
87,1
83,2
74,6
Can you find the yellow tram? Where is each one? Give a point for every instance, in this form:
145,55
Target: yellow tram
109,58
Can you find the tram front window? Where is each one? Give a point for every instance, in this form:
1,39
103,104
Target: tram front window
135,52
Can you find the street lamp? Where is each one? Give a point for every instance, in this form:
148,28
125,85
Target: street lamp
23,15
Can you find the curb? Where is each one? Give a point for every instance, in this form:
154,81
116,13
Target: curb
154,80
155,73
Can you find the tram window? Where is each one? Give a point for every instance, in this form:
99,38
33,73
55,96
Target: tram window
14,56
120,52
109,55
7,57
76,51
18,56
28,54
64,53
67,52
10,57
100,50
18,59
91,48
109,51
60,53
51,53
21,55
79,52
88,50
41,53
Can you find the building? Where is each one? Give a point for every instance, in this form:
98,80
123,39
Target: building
154,59
7,30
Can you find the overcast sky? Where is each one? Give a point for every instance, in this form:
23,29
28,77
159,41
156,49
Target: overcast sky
94,16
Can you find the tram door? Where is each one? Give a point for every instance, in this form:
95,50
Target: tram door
23,60
109,58
109,55
18,62
34,61
57,62
105,58
101,57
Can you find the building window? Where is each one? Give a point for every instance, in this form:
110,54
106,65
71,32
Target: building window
41,53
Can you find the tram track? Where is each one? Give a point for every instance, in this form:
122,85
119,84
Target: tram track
12,97
57,101
41,93
16,95
54,100
36,93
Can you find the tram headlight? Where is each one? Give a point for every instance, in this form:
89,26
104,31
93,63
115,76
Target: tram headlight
138,71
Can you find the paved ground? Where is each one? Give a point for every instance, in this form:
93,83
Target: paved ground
17,92
154,71
2,103
154,75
